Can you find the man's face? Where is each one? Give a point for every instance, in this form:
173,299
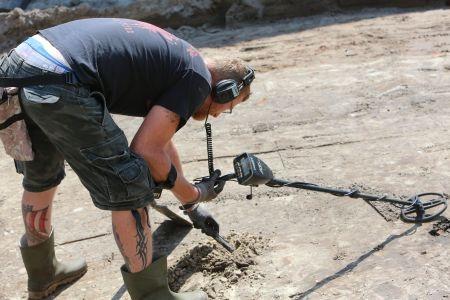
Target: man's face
217,109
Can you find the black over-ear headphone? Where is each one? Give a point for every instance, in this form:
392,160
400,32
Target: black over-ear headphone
228,89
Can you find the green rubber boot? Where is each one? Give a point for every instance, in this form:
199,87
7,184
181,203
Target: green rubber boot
45,273
151,283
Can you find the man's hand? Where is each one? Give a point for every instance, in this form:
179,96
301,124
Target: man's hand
210,188
202,219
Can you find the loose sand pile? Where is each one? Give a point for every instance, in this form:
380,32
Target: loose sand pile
219,268
388,211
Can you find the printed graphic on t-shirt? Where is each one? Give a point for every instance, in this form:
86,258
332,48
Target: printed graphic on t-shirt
192,51
130,25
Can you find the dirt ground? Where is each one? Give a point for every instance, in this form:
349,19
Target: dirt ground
342,100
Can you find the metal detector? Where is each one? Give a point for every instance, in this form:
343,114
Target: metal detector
252,171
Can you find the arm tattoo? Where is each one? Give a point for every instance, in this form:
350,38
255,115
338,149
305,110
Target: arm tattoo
35,223
141,238
120,246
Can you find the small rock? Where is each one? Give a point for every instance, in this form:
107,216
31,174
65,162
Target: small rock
212,294
242,264
78,209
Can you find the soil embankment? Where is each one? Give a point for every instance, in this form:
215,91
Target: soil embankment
21,18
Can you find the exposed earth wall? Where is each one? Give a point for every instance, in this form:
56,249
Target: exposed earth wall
20,18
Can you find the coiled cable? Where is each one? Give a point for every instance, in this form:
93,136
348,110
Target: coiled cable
209,148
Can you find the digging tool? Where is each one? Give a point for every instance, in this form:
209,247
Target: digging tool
183,222
220,239
209,231
164,210
170,214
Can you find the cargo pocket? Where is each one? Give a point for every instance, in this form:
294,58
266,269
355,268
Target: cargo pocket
94,106
127,175
136,176
39,95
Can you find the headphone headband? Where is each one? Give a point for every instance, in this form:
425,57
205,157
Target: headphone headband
248,79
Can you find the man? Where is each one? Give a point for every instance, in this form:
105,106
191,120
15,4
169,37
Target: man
125,67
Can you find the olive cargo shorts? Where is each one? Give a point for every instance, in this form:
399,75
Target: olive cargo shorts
69,123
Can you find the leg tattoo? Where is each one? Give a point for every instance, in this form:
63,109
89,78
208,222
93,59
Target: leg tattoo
141,238
35,223
147,217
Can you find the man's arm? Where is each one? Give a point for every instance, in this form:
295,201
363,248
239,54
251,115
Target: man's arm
174,157
153,142
179,190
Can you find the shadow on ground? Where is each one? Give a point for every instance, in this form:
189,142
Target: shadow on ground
348,268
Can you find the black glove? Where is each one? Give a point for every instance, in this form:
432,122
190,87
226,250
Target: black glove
209,188
202,219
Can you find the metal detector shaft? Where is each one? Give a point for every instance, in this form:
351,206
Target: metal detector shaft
336,192
413,210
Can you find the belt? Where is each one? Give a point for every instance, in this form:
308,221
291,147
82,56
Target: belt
44,79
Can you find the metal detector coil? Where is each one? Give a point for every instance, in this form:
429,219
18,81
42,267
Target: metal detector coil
417,210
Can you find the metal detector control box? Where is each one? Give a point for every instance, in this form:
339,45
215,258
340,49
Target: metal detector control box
251,171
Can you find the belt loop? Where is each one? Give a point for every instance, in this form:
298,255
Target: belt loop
70,78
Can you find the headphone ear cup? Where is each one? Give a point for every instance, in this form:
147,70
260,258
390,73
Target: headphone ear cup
225,91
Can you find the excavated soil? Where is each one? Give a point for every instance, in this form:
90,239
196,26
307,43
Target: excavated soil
388,211
221,268
441,228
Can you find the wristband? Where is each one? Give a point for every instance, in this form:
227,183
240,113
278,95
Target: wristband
171,178
189,207
157,191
